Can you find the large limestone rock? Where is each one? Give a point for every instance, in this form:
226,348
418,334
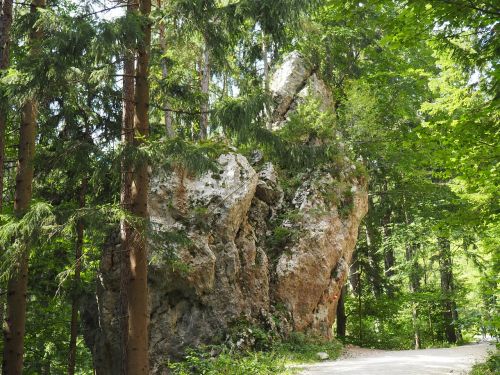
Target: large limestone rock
215,259
309,276
291,84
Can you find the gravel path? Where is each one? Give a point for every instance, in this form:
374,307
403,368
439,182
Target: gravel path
360,361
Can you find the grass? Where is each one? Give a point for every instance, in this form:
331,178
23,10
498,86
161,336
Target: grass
276,360
490,367
302,349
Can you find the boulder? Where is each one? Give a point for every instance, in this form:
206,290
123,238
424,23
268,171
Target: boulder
214,261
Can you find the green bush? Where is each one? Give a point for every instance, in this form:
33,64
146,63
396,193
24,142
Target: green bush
230,363
219,360
490,367
301,348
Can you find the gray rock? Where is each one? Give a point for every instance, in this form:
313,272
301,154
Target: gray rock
268,189
287,81
322,356
291,84
226,269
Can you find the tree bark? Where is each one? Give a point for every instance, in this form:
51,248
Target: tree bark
126,187
389,257
137,291
373,269
5,26
341,315
205,86
76,294
414,286
167,116
413,276
446,273
18,281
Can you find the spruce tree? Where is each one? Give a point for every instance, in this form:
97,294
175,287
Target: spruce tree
137,288
18,281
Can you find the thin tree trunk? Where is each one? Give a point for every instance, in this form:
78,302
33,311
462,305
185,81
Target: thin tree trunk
18,281
76,296
341,315
414,278
373,257
164,72
5,26
205,85
414,286
355,274
448,305
389,258
137,291
126,187
360,312
355,279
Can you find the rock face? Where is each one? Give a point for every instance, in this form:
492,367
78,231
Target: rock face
291,84
231,245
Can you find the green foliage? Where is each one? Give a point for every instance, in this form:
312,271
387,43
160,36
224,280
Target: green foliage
302,348
309,122
195,158
278,355
17,235
490,367
257,363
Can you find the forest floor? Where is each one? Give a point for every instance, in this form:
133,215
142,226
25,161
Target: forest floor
360,361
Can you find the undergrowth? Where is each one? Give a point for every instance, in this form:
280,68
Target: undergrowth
490,367
224,359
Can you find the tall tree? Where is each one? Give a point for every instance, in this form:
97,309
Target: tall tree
137,291
76,281
127,136
341,319
414,285
448,304
18,281
5,26
167,114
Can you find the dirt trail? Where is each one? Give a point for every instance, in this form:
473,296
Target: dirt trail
360,361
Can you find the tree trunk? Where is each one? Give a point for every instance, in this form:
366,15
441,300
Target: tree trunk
126,187
448,305
137,291
5,26
18,281
414,286
341,316
205,85
164,72
355,279
76,294
389,257
373,269
355,274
